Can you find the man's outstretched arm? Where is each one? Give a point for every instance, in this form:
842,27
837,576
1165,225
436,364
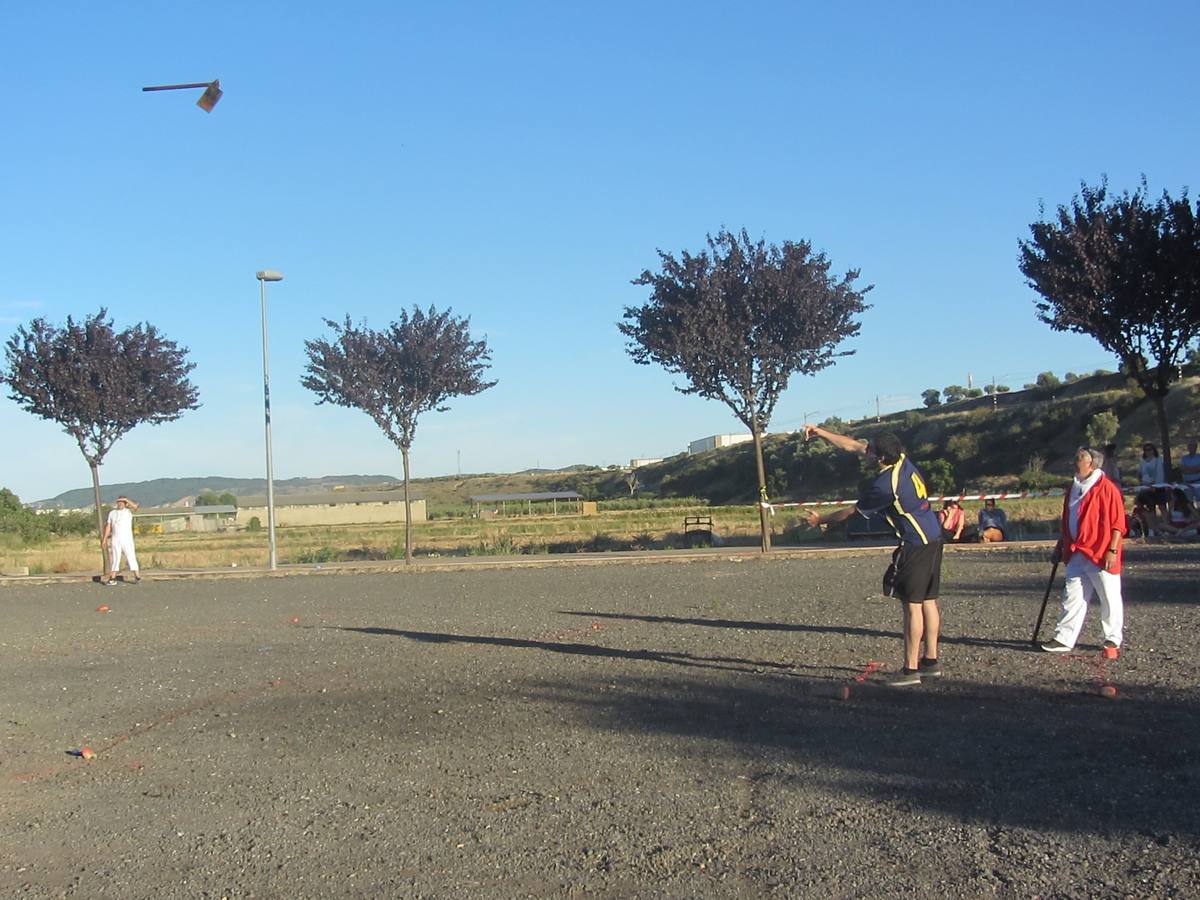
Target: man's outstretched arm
841,441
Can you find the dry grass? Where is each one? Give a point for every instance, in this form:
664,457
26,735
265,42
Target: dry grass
619,530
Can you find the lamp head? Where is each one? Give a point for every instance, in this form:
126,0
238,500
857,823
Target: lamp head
269,275
211,95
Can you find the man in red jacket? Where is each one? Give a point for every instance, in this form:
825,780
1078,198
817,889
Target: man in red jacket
1093,524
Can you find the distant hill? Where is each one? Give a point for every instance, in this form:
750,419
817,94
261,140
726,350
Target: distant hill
165,491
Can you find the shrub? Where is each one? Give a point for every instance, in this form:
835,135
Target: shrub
254,524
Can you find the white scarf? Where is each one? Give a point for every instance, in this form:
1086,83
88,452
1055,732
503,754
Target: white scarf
1078,490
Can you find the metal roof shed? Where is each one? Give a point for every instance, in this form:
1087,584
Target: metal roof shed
551,497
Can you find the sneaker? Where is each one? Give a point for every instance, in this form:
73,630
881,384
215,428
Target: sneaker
137,579
1109,645
929,668
1056,647
904,678
112,582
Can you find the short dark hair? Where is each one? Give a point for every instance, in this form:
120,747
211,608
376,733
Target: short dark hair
887,446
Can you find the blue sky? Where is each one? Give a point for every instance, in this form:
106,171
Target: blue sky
521,163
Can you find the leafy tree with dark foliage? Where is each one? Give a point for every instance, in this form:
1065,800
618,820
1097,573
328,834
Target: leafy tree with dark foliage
97,383
411,367
738,320
1125,270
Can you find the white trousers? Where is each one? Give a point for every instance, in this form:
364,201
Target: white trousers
1084,578
117,546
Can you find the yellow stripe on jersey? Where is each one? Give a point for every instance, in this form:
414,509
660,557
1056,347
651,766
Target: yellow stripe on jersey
919,485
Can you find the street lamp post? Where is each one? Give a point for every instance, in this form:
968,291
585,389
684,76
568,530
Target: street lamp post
263,277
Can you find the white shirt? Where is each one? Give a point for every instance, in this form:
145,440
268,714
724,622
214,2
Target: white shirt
1150,471
120,523
1078,490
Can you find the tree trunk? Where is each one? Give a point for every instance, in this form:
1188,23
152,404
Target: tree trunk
763,513
1164,432
407,511
99,517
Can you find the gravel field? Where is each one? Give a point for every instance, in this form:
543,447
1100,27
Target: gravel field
671,730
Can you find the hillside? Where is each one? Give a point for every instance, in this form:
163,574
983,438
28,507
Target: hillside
165,491
972,444
1018,439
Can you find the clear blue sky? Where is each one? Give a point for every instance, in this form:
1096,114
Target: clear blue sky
521,163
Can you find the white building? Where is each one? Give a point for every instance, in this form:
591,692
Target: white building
638,462
717,441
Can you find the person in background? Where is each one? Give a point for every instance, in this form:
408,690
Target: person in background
1189,469
1151,474
993,523
952,519
1111,469
118,540
1093,528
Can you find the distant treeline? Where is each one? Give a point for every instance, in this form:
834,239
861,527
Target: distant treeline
19,525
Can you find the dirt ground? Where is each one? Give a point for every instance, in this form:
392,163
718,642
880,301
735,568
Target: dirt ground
619,731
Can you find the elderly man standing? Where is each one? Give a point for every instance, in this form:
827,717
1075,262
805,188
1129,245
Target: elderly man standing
1093,525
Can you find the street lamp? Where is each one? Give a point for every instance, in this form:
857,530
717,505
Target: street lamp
263,277
212,92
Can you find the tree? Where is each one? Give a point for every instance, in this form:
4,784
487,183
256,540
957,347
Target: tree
413,366
954,392
208,498
1048,381
631,482
1126,271
97,383
1102,429
738,320
932,397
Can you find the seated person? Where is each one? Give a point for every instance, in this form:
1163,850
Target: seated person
952,519
1180,516
1189,467
993,523
1183,515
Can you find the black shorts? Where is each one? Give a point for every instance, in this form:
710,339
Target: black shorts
915,574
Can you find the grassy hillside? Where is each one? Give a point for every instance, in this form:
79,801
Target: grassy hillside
1021,439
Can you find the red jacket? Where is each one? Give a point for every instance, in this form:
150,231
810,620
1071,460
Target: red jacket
1101,511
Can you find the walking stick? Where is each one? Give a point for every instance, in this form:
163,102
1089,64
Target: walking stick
1046,599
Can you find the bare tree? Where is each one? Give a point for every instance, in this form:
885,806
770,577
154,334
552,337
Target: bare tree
1125,270
738,320
411,367
631,482
97,383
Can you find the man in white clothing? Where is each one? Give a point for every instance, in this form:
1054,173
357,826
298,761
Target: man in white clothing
1093,530
118,539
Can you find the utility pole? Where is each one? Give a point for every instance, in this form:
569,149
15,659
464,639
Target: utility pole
876,407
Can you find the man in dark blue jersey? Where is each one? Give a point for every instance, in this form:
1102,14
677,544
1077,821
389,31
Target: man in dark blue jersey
898,494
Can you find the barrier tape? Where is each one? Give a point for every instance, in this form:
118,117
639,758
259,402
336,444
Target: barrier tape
1020,495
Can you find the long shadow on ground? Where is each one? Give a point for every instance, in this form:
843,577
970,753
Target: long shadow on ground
736,664
1047,757
999,755
750,625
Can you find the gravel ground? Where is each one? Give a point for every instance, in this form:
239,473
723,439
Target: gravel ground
618,731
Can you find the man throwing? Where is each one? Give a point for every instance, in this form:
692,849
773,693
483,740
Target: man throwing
898,493
118,539
1093,525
